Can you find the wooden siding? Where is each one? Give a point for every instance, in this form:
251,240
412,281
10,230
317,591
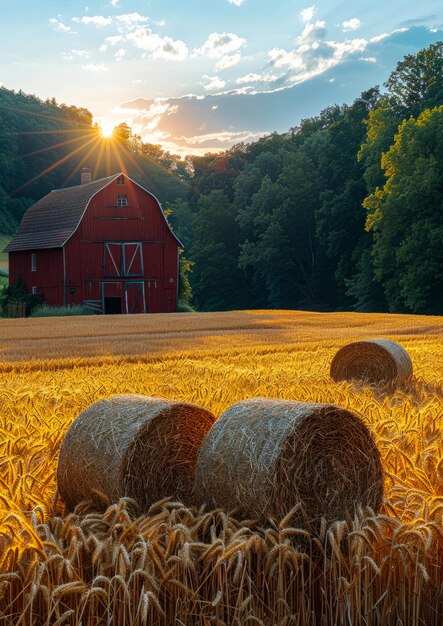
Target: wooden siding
91,273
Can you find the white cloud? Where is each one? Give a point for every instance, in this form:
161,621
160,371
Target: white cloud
96,20
145,121
225,136
137,81
307,14
236,2
213,83
351,24
159,47
378,38
368,59
131,20
115,3
95,67
220,44
214,107
309,60
114,40
58,25
75,54
229,60
256,78
312,32
120,54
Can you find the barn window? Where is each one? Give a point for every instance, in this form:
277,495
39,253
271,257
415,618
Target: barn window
33,262
121,180
122,201
34,291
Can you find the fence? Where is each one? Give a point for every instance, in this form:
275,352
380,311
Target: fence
16,309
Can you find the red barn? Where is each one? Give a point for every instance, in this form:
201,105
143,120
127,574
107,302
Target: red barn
104,243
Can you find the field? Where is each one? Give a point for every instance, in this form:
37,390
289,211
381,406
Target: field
177,565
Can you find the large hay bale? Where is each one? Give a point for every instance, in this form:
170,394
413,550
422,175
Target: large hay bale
135,446
374,361
263,457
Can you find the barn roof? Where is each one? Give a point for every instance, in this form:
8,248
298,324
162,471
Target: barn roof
51,221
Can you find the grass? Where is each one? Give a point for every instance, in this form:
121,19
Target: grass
183,565
61,311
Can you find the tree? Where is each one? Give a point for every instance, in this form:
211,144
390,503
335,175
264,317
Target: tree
417,81
406,216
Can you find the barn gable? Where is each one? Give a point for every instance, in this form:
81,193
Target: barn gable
50,222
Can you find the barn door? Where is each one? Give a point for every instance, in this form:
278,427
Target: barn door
135,301
132,259
112,259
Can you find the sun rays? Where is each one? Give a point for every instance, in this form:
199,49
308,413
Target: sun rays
65,145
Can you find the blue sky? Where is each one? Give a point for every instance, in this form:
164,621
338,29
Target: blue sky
204,74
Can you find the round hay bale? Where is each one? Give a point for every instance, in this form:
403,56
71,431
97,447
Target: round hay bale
373,360
134,446
263,457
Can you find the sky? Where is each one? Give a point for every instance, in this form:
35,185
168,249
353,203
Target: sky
201,75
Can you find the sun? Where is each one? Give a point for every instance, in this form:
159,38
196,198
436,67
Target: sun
106,129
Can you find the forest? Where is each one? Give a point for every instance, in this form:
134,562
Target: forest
342,212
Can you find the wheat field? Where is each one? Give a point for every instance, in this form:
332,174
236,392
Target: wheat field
178,565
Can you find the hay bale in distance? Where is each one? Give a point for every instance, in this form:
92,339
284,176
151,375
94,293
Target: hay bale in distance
135,446
373,360
264,456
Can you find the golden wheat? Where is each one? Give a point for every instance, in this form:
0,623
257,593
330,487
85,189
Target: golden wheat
192,566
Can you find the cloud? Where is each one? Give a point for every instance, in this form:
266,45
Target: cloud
307,14
368,59
137,81
131,20
423,19
306,61
113,40
145,120
115,3
213,83
75,54
198,124
58,25
95,67
120,54
236,2
312,32
229,60
219,45
96,20
351,24
158,47
256,78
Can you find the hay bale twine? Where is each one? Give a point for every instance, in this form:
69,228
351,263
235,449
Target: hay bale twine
264,456
373,360
135,446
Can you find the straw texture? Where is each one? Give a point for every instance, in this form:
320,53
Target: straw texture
132,445
374,361
264,457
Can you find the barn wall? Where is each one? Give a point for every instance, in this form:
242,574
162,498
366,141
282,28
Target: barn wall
141,221
48,277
